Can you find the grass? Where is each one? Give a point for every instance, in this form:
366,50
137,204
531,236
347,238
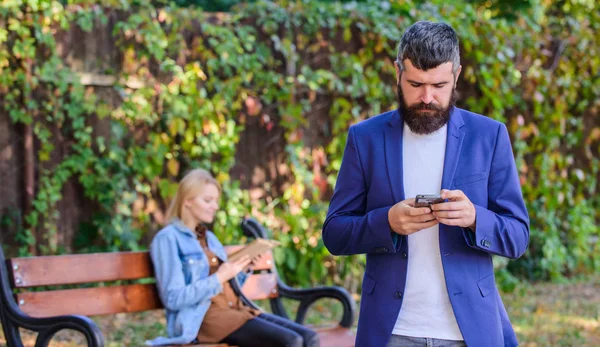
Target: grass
556,314
542,314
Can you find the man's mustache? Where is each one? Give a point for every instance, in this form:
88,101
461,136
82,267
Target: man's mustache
424,106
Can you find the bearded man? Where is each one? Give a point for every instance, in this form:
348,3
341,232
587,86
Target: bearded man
429,278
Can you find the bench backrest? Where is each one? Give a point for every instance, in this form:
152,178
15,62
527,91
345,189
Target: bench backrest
109,298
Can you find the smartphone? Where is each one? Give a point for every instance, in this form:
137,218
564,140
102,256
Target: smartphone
425,200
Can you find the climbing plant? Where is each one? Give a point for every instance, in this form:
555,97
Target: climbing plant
312,69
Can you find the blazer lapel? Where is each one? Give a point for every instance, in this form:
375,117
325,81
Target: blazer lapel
454,142
393,155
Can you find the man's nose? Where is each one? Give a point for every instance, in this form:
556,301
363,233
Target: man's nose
427,95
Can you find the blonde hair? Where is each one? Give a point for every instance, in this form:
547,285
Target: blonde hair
190,186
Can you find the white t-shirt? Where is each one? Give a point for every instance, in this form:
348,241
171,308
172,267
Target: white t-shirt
426,309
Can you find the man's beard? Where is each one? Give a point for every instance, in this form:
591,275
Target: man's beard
425,122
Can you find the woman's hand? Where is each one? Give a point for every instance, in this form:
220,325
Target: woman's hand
228,270
253,263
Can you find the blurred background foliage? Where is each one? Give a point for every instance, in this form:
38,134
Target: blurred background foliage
190,81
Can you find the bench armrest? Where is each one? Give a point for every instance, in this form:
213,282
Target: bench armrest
308,296
13,318
48,327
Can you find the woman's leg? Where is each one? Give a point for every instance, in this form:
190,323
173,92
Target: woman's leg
262,333
310,337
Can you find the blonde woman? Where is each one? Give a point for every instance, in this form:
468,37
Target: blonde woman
192,275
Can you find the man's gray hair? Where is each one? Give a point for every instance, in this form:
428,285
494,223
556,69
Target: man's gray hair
428,45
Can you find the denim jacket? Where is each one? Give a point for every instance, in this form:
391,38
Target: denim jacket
182,278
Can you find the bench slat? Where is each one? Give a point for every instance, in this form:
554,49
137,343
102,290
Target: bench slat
261,287
90,301
116,299
336,336
95,267
79,268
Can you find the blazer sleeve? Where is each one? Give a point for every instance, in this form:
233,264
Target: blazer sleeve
348,228
503,227
168,268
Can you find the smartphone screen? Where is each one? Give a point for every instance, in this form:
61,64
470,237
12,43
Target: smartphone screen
424,200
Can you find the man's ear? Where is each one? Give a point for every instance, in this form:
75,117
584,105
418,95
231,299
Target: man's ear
398,72
456,75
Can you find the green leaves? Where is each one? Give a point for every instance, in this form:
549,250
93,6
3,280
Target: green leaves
307,70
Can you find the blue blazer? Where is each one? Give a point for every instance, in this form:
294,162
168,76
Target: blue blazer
479,161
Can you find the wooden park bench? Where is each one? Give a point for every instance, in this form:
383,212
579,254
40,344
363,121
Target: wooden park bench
47,312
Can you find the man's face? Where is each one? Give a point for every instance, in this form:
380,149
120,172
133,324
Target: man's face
426,97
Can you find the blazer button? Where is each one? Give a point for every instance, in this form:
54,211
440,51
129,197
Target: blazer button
397,295
404,255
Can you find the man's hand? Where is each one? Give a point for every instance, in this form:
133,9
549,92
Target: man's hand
458,211
406,219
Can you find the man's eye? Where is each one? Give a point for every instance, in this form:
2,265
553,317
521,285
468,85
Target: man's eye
415,85
439,86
